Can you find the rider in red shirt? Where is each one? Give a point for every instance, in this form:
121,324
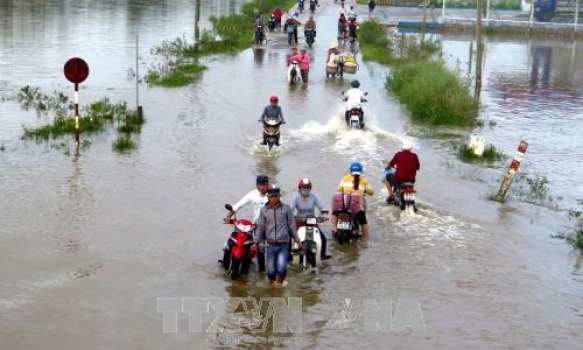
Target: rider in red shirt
278,13
406,164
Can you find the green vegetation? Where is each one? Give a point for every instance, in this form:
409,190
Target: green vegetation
491,154
180,61
99,116
434,94
94,119
31,97
124,144
576,237
374,42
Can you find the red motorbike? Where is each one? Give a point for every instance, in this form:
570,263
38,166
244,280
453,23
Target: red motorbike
237,252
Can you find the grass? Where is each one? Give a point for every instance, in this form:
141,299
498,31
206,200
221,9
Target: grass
123,144
32,97
433,94
491,154
229,33
374,43
576,237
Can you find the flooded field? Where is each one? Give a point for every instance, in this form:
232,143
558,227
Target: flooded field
88,243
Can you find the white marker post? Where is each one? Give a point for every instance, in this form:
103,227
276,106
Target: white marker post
511,172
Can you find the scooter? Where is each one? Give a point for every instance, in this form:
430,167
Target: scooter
310,36
271,131
237,250
354,120
259,35
405,197
309,235
312,7
272,23
293,73
347,228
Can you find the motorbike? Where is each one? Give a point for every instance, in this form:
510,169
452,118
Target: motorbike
301,6
290,30
353,120
312,7
237,251
347,227
310,35
309,235
271,131
259,35
405,197
272,23
293,73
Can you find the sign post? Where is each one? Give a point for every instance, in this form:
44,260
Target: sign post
76,71
512,169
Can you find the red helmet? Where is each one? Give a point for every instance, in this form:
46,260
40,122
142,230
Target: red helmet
305,182
273,98
244,225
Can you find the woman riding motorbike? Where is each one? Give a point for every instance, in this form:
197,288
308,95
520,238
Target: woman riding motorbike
356,182
304,206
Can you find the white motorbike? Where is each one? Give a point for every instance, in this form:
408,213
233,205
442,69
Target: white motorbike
309,235
293,73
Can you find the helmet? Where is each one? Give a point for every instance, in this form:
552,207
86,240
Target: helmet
262,180
356,168
244,225
407,145
355,84
273,189
305,182
274,98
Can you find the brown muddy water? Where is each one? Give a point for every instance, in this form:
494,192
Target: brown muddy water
88,243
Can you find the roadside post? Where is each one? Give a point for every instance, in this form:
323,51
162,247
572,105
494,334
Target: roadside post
76,71
511,172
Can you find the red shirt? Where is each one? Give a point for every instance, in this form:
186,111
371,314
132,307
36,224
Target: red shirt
278,14
407,164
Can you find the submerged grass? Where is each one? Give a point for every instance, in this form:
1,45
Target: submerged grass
491,154
229,33
123,144
434,94
576,237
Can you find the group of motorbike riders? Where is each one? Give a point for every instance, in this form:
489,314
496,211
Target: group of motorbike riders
274,225
347,30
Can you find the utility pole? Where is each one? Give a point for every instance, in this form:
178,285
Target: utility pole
196,29
479,51
424,22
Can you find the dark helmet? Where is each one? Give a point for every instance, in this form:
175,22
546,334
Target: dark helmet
262,180
355,84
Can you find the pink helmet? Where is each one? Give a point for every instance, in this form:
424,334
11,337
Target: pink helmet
305,182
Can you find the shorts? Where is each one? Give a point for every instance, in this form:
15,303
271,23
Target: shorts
361,218
392,178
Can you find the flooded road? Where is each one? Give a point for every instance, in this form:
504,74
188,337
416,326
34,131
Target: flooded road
88,243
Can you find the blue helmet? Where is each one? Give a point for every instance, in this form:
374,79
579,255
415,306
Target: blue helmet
356,168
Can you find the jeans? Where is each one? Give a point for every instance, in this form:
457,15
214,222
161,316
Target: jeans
277,260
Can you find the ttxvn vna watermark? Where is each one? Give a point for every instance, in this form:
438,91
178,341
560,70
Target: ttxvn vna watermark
224,319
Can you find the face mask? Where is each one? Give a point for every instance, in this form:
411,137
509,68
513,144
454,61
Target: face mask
305,192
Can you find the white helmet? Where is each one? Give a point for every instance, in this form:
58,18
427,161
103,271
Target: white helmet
407,145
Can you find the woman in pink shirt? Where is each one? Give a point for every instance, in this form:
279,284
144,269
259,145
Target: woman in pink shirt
304,60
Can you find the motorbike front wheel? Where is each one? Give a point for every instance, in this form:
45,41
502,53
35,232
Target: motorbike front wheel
226,259
235,265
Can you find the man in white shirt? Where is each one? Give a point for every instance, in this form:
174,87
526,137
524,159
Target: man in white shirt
354,98
257,198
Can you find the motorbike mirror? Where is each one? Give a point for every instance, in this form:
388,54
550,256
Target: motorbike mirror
229,207
325,212
366,94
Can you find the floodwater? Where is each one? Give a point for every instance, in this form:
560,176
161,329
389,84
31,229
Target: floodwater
88,243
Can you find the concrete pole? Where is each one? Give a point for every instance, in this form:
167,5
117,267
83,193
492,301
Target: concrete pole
137,72
507,181
531,17
443,12
576,16
424,21
196,21
479,51
487,10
